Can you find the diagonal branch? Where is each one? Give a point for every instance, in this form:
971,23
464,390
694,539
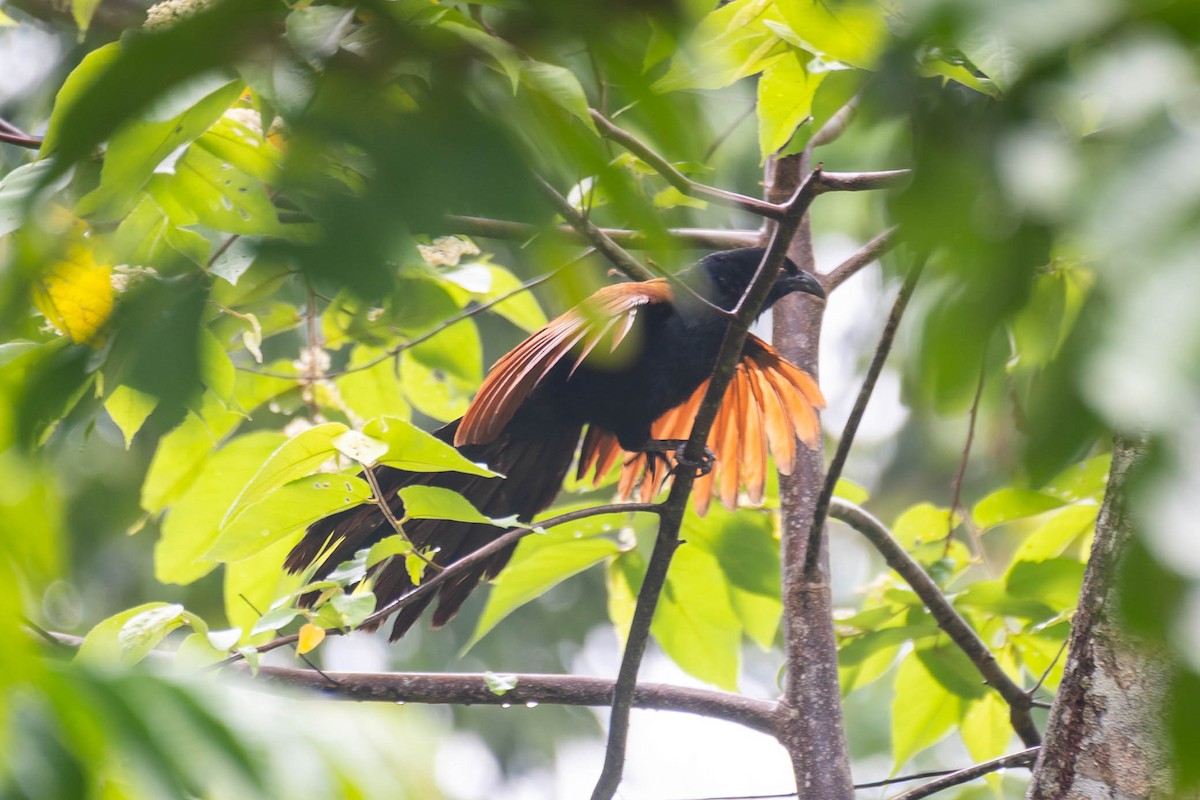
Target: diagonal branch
946,616
866,255
676,504
1024,758
856,414
596,237
704,238
677,179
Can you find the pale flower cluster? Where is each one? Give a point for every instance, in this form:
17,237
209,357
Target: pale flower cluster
164,14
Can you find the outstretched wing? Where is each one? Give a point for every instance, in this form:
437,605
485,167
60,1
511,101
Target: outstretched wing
769,404
606,315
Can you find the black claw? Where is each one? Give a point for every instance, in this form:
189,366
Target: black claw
702,466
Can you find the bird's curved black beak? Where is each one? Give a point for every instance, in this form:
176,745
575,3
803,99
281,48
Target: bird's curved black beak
801,281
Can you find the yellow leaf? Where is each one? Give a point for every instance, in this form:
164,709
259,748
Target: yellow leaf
310,636
76,295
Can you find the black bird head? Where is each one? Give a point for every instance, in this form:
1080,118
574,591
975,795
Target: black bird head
724,277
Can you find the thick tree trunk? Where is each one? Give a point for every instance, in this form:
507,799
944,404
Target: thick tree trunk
1105,737
810,711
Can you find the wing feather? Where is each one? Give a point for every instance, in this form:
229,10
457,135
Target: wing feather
519,372
770,403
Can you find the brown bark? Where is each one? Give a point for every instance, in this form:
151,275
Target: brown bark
810,711
1105,737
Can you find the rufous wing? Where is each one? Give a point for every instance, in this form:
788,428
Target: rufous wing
768,405
607,316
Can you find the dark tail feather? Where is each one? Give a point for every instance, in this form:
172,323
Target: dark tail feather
535,467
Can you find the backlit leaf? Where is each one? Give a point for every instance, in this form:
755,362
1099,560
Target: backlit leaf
76,295
1008,504
923,712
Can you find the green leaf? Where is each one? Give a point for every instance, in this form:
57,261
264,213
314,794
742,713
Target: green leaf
429,386
1087,479
354,608
539,564
434,502
851,31
216,368
394,545
110,641
257,583
1053,537
16,188
923,712
129,409
298,457
521,309
993,597
923,523
1008,504
504,54
182,453
560,86
77,84
986,729
695,623
206,189
413,449
730,43
498,684
953,670
82,11
785,97
138,148
1042,326
193,523
316,32
1055,581
623,579
358,446
288,509
374,391
850,491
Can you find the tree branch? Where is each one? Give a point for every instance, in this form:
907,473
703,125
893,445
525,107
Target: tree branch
866,255
438,688
677,179
598,238
703,238
20,140
862,181
1024,758
946,616
676,504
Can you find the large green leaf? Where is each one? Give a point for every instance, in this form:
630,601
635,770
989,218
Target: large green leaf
1055,581
923,711
413,449
851,31
297,457
559,86
923,523
286,510
696,624
1053,537
1005,505
730,43
182,452
434,502
539,564
785,97
137,149
194,522
372,391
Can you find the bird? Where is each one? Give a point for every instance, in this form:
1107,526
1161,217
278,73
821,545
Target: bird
625,372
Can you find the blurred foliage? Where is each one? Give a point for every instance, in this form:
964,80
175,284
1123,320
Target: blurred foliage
226,283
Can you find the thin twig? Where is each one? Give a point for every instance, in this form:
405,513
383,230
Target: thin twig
956,484
1046,674
676,178
675,506
724,135
863,181
703,238
28,142
385,508
943,613
812,551
1025,758
457,568
435,330
866,255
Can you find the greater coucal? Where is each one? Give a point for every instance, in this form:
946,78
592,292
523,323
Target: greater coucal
631,364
